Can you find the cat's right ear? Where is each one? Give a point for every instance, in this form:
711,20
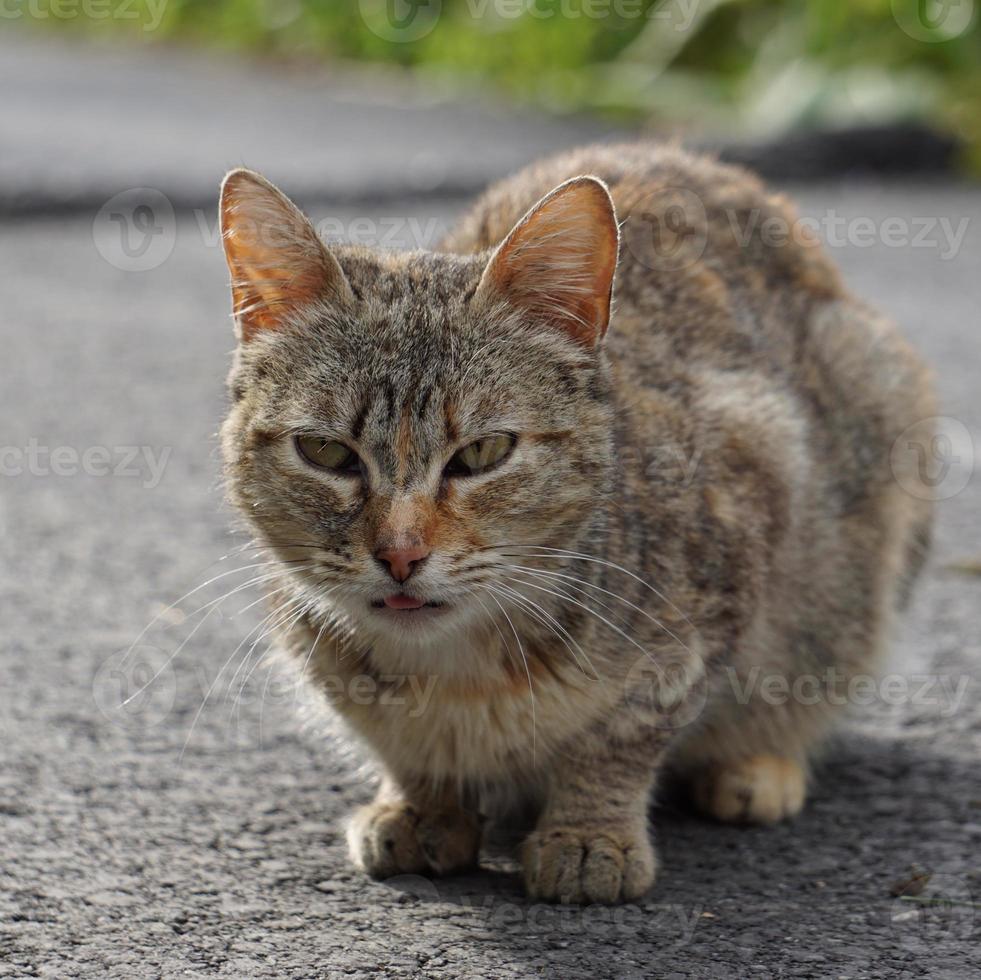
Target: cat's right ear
277,262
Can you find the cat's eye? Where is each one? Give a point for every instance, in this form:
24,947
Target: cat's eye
328,454
481,455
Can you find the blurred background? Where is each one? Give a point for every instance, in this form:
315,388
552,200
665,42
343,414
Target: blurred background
737,68
170,806
390,94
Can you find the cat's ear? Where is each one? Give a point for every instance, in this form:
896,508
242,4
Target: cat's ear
277,261
559,260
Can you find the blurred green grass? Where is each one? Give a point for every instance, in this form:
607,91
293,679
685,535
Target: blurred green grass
747,67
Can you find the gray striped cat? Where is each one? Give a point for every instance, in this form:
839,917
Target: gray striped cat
586,475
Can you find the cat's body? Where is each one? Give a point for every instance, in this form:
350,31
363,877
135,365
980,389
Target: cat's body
696,539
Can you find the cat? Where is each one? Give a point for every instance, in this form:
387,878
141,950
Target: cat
598,473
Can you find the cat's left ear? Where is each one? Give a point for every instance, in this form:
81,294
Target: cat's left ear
559,260
277,261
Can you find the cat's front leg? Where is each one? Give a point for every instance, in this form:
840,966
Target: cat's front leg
409,830
592,843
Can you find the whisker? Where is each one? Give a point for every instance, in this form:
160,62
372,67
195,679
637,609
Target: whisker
171,658
177,602
531,690
256,580
208,693
313,646
265,687
262,598
497,626
561,552
310,607
592,612
304,604
552,624
599,588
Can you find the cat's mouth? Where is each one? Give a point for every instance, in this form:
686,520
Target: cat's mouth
401,603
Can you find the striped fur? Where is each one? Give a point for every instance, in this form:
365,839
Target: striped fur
702,495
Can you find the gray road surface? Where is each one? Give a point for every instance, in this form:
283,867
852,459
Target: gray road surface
80,123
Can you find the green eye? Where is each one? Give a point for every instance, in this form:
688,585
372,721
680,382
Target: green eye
328,454
481,455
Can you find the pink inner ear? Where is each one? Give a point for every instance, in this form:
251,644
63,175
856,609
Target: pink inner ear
277,263
559,261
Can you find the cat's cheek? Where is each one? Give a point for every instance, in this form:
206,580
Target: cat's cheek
277,468
289,503
508,520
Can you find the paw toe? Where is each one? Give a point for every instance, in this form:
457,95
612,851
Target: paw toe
388,839
574,867
383,841
762,789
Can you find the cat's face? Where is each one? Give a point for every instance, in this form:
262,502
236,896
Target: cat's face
405,428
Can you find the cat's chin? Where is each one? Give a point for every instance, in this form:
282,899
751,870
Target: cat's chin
412,617
421,625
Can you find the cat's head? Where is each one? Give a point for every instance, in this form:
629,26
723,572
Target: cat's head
406,426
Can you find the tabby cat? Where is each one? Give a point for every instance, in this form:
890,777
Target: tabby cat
600,474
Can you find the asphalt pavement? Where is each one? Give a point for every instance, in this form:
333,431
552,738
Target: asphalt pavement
178,811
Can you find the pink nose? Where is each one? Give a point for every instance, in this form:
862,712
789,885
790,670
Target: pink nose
402,562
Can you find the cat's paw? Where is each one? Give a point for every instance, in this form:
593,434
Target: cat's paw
576,865
760,789
394,838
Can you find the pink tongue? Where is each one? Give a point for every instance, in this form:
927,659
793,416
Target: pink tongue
403,602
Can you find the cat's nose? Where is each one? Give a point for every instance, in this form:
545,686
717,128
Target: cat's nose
402,562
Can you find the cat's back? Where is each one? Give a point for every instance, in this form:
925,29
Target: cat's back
707,257
684,218
717,274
